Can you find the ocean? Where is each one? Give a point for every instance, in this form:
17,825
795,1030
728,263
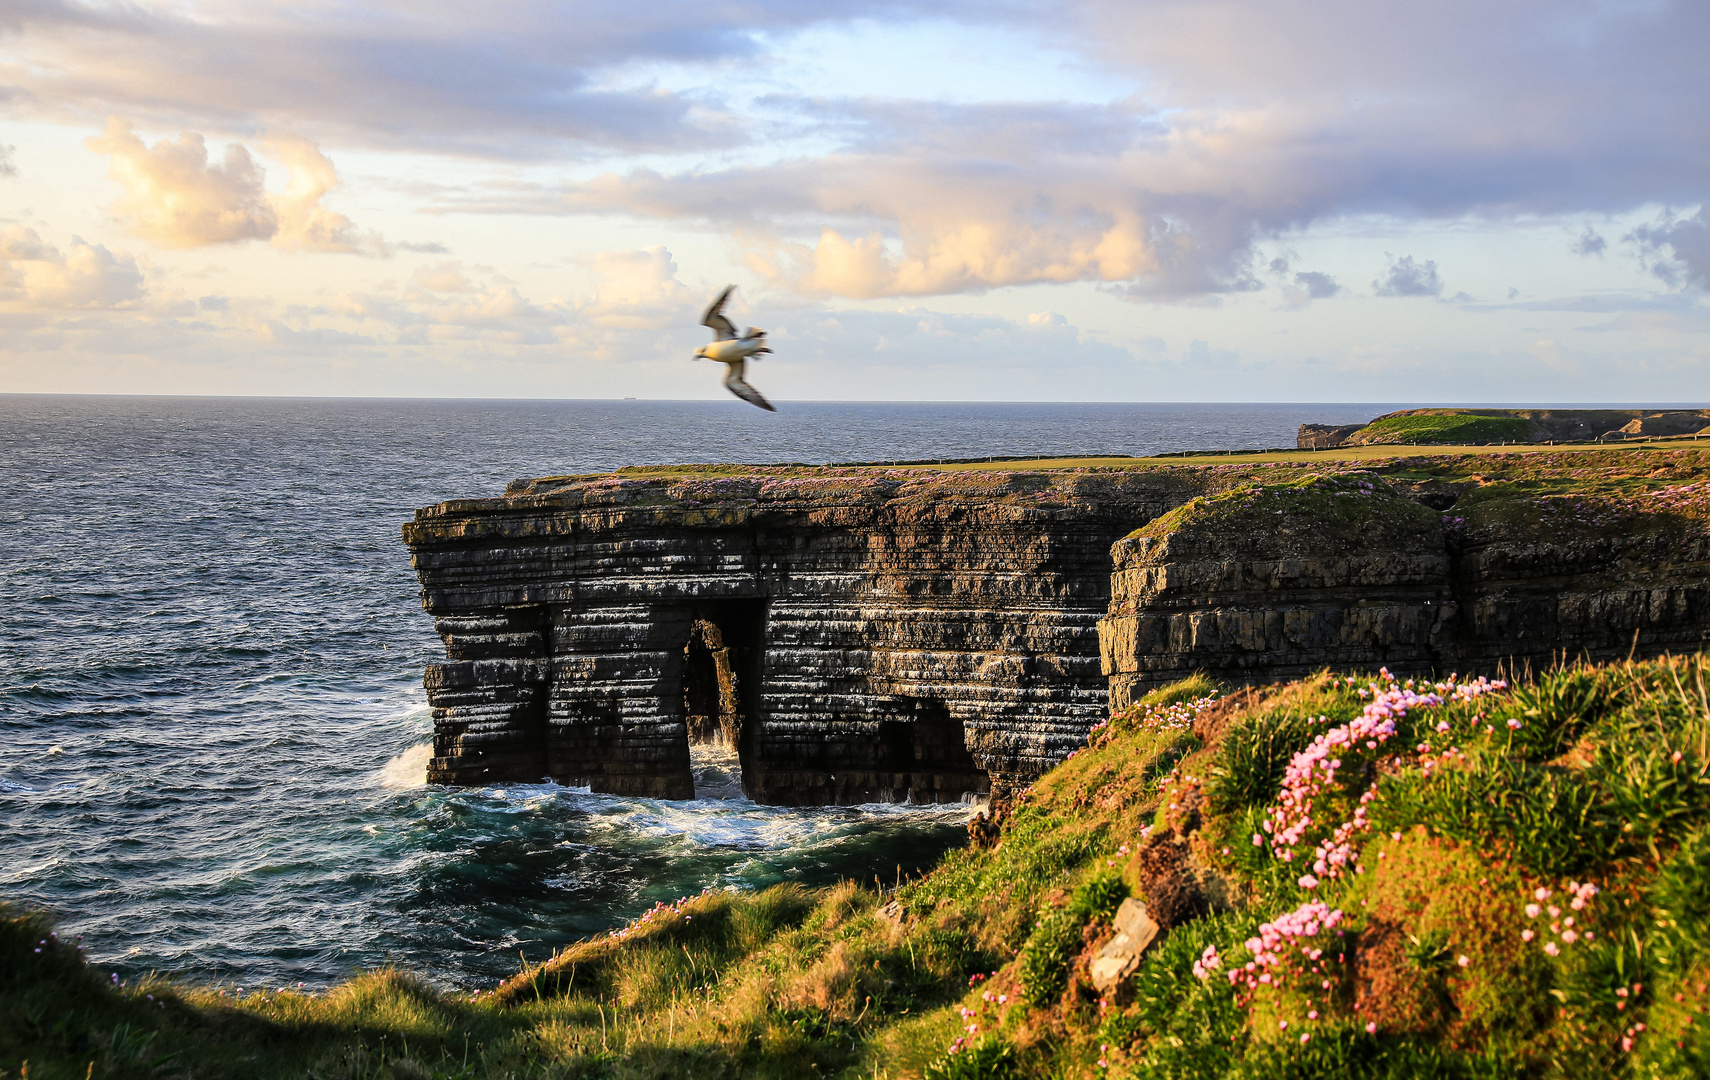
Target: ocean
213,735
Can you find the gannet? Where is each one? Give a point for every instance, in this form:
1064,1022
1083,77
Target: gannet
733,350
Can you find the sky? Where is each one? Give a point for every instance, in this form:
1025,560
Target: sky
1082,200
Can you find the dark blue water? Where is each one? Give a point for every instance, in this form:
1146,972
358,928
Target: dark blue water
212,730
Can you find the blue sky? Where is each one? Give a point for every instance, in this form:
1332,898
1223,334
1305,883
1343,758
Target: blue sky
1085,200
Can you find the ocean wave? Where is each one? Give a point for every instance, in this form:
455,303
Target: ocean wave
408,769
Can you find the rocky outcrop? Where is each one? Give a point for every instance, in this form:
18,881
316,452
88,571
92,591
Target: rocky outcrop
1324,436
1276,581
860,635
891,634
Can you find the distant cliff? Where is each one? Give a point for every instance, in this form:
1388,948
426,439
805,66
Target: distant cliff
869,634
1492,426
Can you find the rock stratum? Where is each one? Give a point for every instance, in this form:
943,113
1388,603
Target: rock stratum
898,633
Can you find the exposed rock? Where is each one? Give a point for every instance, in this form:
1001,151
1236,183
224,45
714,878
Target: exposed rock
1268,583
1120,957
1324,436
896,634
860,635
893,913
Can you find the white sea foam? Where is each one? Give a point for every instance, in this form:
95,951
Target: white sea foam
408,769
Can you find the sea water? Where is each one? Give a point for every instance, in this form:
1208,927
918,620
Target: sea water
213,737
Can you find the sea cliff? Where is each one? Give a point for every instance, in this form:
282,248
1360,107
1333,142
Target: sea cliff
929,633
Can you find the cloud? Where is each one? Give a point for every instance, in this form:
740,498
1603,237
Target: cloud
174,196
909,225
520,80
639,279
1252,120
1317,286
1306,286
36,275
1404,277
7,166
1677,249
1332,111
1589,242
304,224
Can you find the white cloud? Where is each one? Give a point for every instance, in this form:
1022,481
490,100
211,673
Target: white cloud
37,275
304,224
174,196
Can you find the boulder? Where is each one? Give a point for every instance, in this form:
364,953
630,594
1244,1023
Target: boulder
1120,957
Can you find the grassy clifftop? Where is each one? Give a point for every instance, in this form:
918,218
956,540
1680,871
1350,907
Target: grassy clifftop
1486,426
1355,877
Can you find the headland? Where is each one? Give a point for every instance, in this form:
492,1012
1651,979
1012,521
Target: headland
933,631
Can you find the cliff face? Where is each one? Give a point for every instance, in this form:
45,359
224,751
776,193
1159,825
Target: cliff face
1275,581
869,634
859,636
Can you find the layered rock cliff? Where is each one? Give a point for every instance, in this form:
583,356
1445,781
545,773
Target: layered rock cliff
860,635
1272,581
870,634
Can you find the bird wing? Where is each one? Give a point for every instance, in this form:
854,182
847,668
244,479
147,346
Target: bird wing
721,327
734,382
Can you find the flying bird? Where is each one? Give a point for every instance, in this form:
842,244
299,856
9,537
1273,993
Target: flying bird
733,350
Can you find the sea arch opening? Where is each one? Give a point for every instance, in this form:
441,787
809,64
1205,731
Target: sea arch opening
723,658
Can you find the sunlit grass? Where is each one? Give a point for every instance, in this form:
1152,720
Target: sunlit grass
1528,896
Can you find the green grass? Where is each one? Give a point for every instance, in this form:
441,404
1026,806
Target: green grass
1603,777
1445,427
